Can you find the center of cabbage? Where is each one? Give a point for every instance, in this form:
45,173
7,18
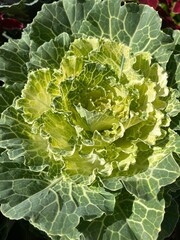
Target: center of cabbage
102,112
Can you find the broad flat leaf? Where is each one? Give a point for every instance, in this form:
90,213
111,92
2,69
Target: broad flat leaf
114,226
13,71
132,219
24,146
53,23
136,26
13,58
8,93
124,23
54,206
49,55
146,220
146,185
77,11
58,17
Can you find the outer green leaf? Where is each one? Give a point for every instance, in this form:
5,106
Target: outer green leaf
13,189
113,184
13,58
8,94
53,206
58,17
13,71
114,226
49,23
130,19
136,26
146,185
132,219
21,144
145,222
49,55
77,11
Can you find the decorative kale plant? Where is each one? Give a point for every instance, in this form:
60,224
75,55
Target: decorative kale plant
89,122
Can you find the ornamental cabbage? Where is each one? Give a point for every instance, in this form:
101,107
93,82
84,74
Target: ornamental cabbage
89,122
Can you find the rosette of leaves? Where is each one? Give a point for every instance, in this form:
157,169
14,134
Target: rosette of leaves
89,122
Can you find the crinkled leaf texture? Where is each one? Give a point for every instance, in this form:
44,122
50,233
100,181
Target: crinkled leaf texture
89,122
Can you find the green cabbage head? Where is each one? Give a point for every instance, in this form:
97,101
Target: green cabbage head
89,123
102,112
